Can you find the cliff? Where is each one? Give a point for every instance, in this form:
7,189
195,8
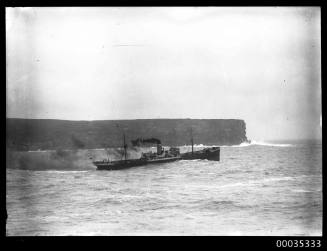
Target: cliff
46,134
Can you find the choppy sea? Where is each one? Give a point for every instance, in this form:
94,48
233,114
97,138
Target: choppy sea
260,188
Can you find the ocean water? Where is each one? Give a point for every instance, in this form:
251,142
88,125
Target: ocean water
256,189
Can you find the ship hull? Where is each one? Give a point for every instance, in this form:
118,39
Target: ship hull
163,160
119,165
208,153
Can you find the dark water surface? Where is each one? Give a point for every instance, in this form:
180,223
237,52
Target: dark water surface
257,189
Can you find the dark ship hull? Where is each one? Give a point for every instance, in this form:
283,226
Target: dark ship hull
118,165
212,153
163,160
124,164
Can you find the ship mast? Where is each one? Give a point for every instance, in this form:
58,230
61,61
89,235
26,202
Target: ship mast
192,139
125,148
125,145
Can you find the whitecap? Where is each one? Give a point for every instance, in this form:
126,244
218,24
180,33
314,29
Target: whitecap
305,191
65,171
261,143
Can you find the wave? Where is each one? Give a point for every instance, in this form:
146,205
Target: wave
219,204
40,151
305,191
244,144
70,171
267,181
262,143
260,181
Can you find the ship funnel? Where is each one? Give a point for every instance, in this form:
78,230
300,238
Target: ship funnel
159,149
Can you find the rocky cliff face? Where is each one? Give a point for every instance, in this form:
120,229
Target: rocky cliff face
34,134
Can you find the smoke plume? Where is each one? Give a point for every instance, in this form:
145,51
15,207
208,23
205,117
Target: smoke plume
140,141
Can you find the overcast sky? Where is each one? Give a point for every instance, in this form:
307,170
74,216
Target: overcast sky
257,64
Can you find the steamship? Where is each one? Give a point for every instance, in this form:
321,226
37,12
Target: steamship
161,156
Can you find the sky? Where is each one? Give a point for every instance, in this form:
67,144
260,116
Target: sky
259,64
